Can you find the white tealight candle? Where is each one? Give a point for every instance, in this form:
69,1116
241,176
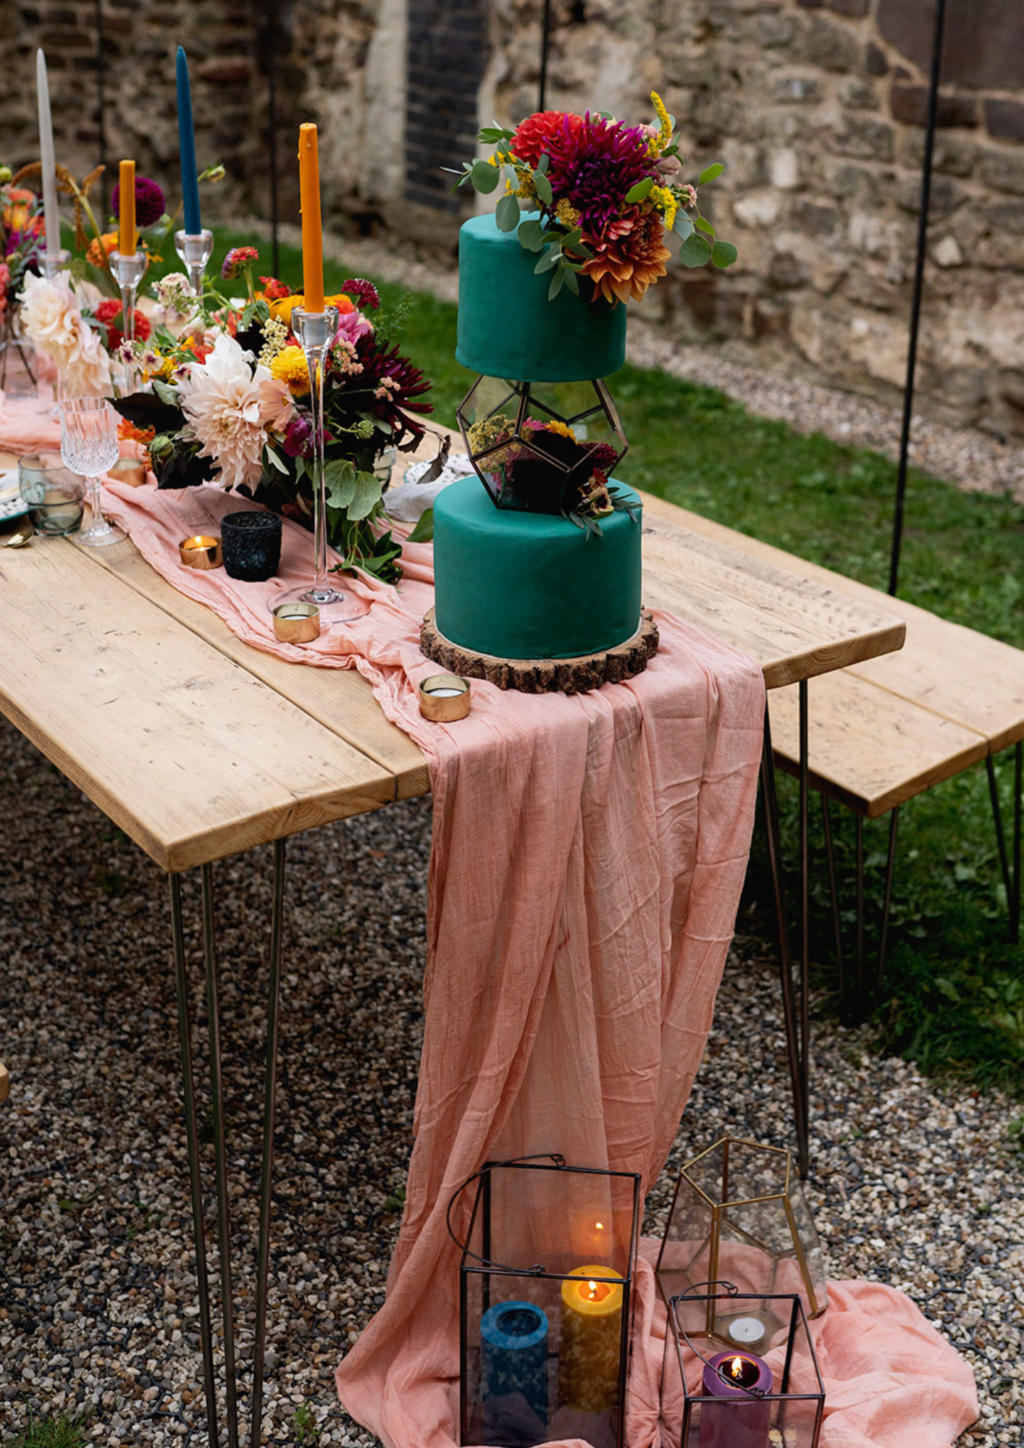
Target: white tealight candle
445,693
747,1330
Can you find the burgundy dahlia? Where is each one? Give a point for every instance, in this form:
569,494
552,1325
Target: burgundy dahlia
149,202
595,166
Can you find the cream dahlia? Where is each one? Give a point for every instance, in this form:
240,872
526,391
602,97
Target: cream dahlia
53,323
221,401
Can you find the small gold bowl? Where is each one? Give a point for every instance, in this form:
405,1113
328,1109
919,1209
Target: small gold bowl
296,623
200,552
129,470
444,698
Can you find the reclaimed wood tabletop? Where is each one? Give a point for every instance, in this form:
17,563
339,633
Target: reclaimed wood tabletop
198,746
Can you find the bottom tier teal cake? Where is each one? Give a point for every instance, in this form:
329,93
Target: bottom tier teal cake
531,586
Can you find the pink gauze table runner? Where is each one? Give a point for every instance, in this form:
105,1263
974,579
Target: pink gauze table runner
587,860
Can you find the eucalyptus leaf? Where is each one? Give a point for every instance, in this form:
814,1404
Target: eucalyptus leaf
695,250
704,225
531,235
550,258
641,190
709,173
569,277
544,163
683,225
543,188
556,284
484,177
507,213
275,461
724,253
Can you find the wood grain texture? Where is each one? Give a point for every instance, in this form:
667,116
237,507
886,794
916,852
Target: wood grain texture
546,676
868,748
967,677
189,753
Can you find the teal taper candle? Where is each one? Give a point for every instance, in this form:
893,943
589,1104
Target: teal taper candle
187,147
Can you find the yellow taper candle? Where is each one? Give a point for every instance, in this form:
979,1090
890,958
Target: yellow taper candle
309,202
591,1340
126,209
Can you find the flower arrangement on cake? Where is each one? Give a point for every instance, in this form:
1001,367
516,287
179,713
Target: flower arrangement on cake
601,198
225,401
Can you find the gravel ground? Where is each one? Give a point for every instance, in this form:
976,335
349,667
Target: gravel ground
914,1184
978,461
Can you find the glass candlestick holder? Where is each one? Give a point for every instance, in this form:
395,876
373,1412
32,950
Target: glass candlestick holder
195,250
316,332
53,262
128,270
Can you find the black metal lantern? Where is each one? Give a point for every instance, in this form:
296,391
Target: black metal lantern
715,1394
546,1302
541,447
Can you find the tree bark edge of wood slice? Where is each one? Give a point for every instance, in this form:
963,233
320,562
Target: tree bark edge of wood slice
546,676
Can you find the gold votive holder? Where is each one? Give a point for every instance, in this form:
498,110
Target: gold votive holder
444,698
296,623
201,551
129,470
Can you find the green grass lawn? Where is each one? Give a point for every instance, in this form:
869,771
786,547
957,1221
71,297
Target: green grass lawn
954,993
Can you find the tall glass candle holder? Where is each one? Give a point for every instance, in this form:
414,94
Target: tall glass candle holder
195,250
316,332
53,263
129,269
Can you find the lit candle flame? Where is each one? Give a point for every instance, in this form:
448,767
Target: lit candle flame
736,1367
599,1226
593,1289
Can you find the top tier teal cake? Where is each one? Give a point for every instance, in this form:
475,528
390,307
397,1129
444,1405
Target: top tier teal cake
508,328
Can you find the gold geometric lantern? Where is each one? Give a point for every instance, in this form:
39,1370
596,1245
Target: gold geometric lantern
739,1217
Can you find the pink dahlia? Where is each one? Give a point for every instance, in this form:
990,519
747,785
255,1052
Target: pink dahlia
237,259
595,166
149,202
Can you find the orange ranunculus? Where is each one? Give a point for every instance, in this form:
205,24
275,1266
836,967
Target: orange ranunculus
99,249
623,269
17,212
283,307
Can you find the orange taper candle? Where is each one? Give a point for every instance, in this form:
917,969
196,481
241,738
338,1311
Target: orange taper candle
126,209
309,202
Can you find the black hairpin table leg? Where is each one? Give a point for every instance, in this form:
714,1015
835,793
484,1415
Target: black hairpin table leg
231,1372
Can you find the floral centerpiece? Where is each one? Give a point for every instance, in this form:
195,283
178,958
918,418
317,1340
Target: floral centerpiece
602,198
21,243
226,402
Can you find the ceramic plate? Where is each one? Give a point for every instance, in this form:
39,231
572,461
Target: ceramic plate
12,507
8,484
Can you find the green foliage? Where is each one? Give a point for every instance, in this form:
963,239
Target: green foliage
64,1431
307,1434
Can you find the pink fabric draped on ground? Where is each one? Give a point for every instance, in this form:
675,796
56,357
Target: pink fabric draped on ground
587,860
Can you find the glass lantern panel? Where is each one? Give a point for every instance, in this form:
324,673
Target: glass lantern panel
686,1251
559,1220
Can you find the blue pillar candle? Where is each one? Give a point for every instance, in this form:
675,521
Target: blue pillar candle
514,1354
187,148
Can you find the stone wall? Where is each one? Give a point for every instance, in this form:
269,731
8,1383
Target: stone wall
816,107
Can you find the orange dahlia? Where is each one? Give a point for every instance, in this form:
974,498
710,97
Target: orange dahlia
535,134
101,247
623,267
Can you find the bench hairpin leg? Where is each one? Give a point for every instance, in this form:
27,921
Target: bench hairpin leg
774,843
826,819
1018,782
858,826
195,1178
894,821
805,917
266,1180
220,1157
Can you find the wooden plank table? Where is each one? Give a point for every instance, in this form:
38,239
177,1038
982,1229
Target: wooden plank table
221,747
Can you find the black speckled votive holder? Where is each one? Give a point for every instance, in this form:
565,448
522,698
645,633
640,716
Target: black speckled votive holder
251,545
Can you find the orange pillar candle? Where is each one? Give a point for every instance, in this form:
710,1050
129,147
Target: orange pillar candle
309,202
126,240
591,1340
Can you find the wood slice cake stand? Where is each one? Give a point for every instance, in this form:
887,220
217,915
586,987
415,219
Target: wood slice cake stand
545,676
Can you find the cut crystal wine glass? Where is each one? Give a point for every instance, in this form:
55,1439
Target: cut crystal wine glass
88,445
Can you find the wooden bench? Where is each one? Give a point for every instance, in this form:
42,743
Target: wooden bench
883,731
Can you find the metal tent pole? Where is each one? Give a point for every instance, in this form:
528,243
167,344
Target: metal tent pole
545,38
915,307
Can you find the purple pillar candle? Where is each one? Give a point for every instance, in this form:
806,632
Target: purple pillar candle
737,1420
